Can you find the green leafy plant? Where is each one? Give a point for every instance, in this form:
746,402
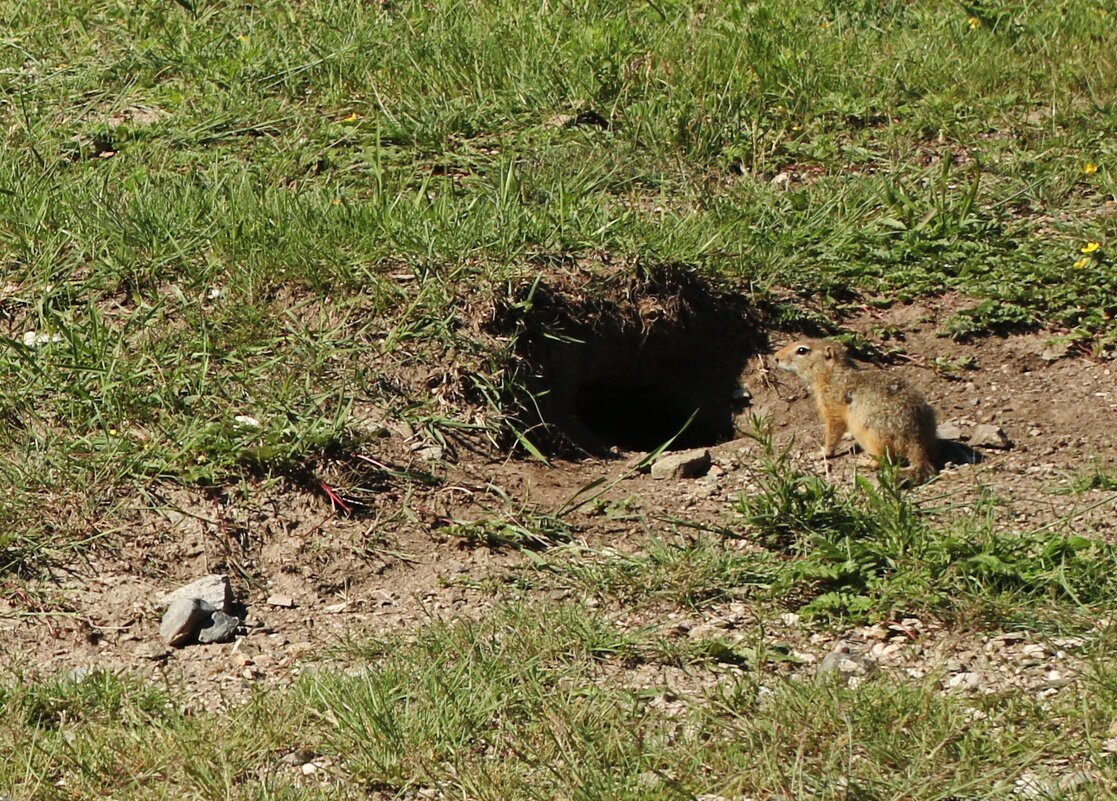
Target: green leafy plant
870,550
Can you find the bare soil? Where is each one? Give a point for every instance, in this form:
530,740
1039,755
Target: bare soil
398,564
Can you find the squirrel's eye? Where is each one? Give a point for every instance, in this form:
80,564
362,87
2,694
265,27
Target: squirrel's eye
802,350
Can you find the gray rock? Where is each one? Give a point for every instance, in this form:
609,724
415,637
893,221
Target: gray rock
1075,780
847,665
1057,678
1034,785
559,121
219,628
212,591
151,650
949,431
987,435
687,464
430,453
182,620
1029,785
299,757
636,462
1055,351
705,631
964,680
285,601
81,673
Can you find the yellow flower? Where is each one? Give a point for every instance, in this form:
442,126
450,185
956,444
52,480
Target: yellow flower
351,118
1090,168
1090,247
975,22
243,38
796,127
1082,262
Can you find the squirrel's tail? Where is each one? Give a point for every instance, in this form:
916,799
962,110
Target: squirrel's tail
921,461
917,473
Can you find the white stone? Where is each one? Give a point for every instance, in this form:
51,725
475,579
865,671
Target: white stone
949,430
990,436
213,591
687,464
36,339
963,681
181,622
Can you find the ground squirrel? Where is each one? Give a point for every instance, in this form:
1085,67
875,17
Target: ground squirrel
884,414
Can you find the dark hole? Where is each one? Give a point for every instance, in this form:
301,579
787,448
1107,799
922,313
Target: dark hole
628,369
642,417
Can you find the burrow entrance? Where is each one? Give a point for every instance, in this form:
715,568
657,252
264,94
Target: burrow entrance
626,363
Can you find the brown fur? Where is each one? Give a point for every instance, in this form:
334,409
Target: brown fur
884,414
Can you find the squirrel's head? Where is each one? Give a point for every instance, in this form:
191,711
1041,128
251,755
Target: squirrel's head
807,355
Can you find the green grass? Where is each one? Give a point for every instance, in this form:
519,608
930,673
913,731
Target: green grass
533,702
213,208
230,228
1096,477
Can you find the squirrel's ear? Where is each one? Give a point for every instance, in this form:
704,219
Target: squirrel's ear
832,351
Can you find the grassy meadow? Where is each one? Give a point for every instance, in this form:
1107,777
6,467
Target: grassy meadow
212,210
